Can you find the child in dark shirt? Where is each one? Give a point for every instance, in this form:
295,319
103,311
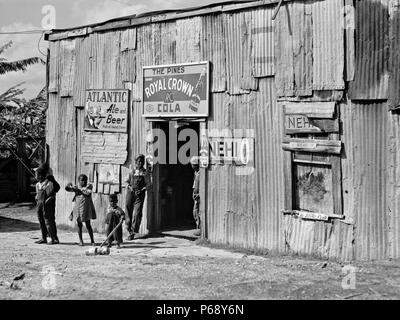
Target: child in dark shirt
114,215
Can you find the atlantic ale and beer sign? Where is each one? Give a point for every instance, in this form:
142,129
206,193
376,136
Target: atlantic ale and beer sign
106,110
179,90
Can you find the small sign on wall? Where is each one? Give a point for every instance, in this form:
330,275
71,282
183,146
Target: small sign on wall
108,173
106,110
235,150
176,90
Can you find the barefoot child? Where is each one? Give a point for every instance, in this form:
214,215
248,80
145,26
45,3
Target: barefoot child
84,209
46,202
114,215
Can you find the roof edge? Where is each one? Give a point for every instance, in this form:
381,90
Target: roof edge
154,16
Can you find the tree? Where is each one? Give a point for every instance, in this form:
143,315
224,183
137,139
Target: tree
20,118
19,65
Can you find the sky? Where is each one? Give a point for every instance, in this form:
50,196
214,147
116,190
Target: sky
21,15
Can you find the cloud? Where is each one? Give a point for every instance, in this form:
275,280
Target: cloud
24,46
98,11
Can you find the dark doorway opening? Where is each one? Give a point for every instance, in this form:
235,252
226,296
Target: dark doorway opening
175,177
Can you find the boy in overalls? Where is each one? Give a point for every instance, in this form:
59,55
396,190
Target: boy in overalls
135,194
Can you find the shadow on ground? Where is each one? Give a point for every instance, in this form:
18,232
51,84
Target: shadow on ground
15,225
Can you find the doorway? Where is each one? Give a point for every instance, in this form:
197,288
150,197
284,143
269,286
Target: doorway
173,178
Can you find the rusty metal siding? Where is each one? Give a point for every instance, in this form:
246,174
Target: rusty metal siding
394,59
110,68
366,126
331,240
67,67
239,79
302,48
213,49
263,42
188,40
244,210
54,48
371,73
269,166
328,45
284,68
81,79
393,186
168,43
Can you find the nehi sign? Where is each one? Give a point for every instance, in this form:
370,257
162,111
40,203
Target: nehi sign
106,110
176,90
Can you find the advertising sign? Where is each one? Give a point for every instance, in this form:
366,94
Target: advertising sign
235,150
106,110
176,90
109,173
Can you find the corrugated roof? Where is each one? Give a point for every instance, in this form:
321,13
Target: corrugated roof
156,16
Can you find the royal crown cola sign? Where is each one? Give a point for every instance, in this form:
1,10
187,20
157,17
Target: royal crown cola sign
179,90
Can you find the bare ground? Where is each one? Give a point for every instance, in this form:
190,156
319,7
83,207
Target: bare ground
170,267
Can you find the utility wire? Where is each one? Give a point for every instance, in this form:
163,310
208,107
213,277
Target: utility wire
23,32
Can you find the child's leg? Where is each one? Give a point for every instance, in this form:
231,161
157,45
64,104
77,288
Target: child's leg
90,230
108,231
79,222
42,224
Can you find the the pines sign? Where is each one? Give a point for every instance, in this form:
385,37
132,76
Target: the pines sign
176,90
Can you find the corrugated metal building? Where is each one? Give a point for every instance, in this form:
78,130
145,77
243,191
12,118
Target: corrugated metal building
317,86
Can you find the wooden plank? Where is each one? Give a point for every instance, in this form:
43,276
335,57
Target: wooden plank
302,48
128,39
104,147
284,52
113,25
288,177
312,145
247,82
213,49
394,59
263,43
337,185
328,45
100,187
371,78
67,56
203,194
323,216
81,79
325,110
95,179
349,21
54,67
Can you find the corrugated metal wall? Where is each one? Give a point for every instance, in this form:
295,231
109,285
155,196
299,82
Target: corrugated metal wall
253,61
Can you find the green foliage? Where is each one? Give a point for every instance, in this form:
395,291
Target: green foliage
19,65
20,118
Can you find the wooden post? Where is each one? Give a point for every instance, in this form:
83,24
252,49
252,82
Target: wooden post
203,194
22,177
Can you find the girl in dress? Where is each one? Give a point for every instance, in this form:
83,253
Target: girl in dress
83,209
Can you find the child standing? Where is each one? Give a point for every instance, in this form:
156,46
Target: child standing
114,215
46,206
84,209
135,195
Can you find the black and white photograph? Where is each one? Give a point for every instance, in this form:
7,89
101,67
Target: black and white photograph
199,155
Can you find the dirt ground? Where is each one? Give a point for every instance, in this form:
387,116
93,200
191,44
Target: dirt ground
172,267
